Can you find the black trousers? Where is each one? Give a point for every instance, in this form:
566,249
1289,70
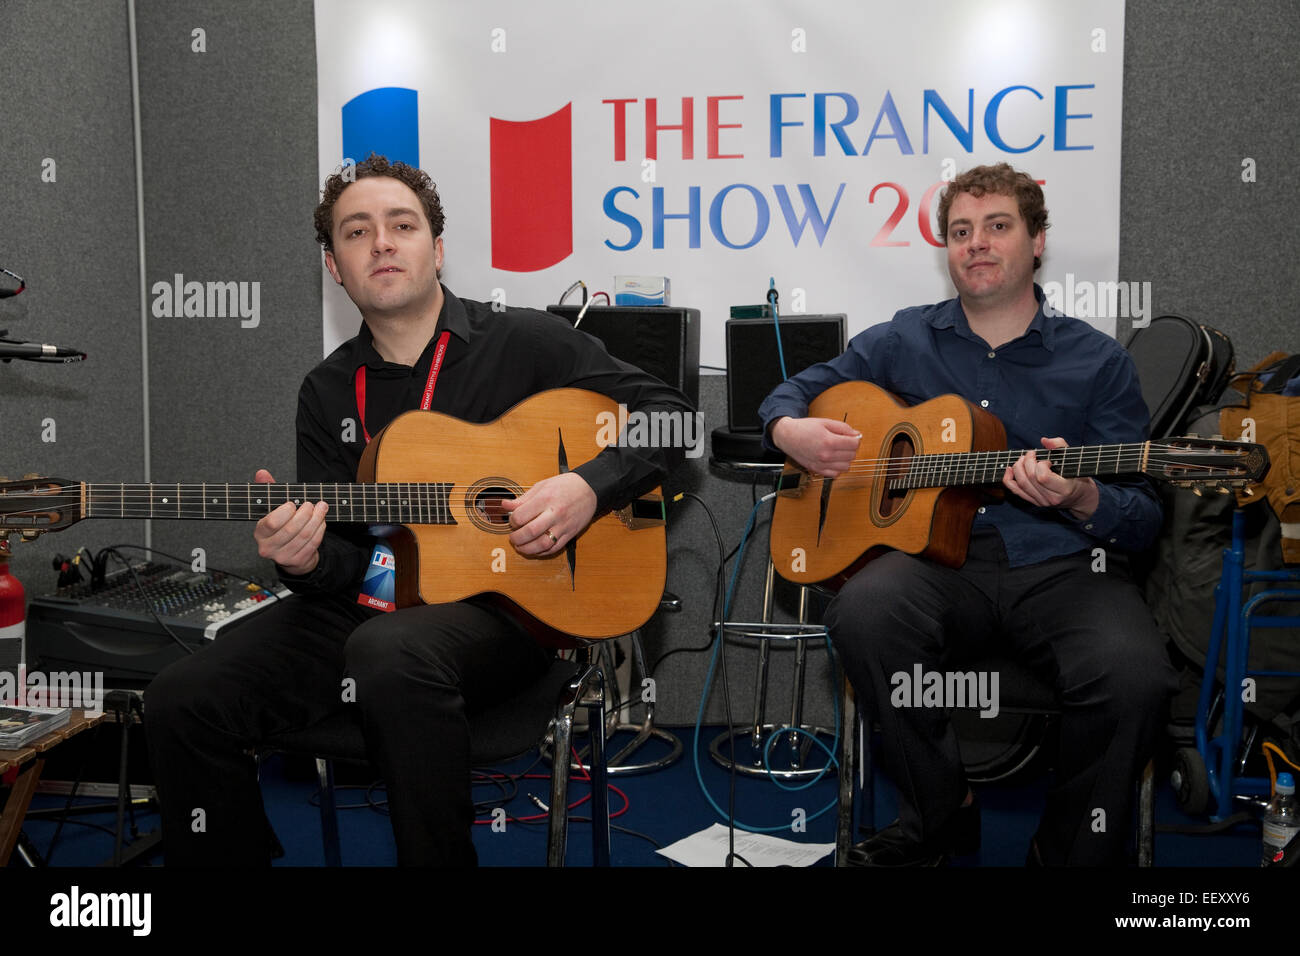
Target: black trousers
1086,633
414,674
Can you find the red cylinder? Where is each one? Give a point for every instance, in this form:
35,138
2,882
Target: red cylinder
13,627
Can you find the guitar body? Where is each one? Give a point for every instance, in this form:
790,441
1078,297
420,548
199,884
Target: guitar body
824,529
605,583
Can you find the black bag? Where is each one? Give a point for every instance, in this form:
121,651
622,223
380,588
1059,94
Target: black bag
1181,365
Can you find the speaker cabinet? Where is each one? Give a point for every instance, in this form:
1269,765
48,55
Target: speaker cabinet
754,366
661,340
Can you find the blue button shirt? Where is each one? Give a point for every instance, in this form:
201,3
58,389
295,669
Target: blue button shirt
1060,378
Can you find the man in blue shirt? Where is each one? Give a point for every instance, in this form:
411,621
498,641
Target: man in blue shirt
1028,584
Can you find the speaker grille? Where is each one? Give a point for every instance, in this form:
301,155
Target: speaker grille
754,367
661,340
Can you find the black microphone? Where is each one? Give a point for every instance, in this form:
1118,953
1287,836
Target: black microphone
34,350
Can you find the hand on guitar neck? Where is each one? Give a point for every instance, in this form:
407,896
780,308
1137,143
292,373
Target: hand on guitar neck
828,448
547,517
1035,481
291,536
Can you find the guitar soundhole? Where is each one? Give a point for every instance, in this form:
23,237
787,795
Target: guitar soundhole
890,498
483,503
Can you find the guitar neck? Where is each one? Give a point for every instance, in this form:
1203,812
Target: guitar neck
384,503
987,467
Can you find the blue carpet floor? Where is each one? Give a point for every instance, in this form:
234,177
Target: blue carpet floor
662,807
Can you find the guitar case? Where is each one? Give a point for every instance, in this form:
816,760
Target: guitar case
1181,365
1180,593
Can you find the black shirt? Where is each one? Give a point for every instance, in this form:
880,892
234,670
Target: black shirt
494,360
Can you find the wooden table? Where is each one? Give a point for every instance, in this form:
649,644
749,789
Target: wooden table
30,761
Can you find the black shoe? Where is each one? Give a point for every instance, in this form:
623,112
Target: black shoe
961,836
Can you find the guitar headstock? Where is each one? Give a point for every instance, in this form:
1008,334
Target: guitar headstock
34,505
1200,463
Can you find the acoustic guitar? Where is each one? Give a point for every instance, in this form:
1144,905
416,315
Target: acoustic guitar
442,480
925,470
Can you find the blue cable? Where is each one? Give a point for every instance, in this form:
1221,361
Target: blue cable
772,296
704,696
831,760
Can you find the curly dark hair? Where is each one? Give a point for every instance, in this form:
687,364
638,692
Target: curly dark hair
376,165
1001,180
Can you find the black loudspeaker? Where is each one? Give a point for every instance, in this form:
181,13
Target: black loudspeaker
661,340
754,365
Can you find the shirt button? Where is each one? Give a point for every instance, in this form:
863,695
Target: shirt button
992,355
984,403
1112,540
981,509
1088,527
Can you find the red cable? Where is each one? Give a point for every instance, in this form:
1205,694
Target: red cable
573,806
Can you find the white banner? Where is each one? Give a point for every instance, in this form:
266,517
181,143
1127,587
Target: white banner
720,144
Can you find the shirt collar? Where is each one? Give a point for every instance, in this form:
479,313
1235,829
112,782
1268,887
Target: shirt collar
452,318
950,315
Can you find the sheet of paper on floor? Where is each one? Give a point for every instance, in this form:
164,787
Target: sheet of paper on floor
709,848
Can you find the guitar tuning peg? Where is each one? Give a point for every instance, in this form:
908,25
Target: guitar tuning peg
1216,438
1224,489
30,535
31,476
1249,489
1198,491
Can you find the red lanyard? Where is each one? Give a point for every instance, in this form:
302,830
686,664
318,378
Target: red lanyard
427,401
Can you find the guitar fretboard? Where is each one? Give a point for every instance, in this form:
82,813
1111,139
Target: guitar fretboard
987,467
387,503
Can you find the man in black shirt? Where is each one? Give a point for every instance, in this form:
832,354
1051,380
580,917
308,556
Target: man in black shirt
414,672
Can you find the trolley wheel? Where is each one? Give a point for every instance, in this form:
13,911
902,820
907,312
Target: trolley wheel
1190,781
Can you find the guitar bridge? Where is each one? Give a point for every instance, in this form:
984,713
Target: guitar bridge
791,483
644,512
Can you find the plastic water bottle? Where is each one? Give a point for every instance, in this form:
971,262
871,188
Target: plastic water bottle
1281,824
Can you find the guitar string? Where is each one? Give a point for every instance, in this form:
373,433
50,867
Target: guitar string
1129,452
144,497
860,467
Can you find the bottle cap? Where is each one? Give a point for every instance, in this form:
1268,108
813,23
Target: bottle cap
1285,783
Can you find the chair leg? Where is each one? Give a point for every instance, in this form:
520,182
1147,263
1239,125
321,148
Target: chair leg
595,704
329,818
848,766
558,821
1147,816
